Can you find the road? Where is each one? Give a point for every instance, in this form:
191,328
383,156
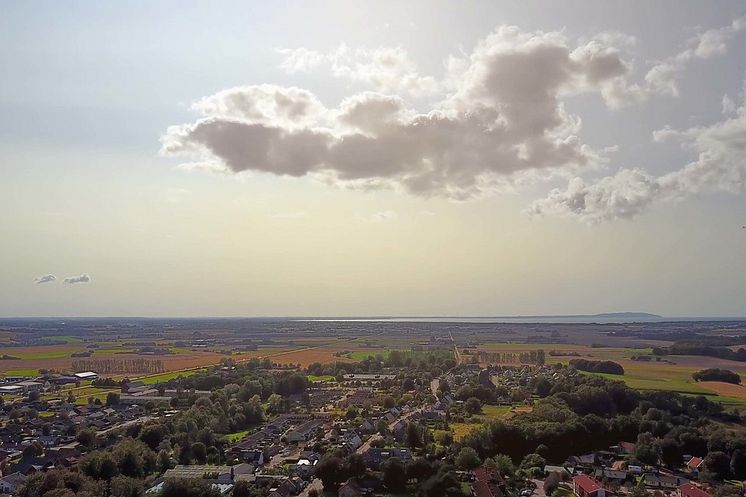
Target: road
119,426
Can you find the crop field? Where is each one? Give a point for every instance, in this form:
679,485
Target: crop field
669,373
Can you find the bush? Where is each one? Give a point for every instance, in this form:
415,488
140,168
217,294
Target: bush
716,374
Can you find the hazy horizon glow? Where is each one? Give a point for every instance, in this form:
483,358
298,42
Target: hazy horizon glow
178,159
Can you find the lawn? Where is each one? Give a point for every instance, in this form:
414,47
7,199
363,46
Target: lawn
495,412
235,437
460,430
322,378
163,377
21,372
64,338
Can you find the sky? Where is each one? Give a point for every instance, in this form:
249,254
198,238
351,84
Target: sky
336,158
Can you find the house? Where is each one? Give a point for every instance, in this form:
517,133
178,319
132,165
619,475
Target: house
366,427
663,481
375,456
488,483
10,483
611,474
691,490
586,486
304,432
562,470
352,441
217,474
86,375
11,390
350,488
694,464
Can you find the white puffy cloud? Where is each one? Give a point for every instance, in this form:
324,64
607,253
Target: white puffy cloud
623,195
719,166
502,122
495,122
83,278
661,78
387,69
47,278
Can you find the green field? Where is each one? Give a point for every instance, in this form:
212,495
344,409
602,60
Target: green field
21,372
64,338
495,412
235,437
322,378
149,380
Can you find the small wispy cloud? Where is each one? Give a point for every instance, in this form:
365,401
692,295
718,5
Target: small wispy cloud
83,278
47,278
381,217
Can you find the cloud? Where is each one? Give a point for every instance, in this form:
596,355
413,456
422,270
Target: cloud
47,278
502,123
83,278
494,122
719,166
661,78
381,217
385,68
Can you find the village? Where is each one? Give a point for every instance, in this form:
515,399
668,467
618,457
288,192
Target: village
379,423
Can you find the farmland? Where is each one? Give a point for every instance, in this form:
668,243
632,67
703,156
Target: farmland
182,347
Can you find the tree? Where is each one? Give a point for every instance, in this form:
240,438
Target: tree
177,487
123,486
355,465
532,461
738,464
504,464
153,434
199,451
671,452
473,405
329,471
468,458
551,482
414,435
242,488
543,387
164,461
419,469
394,474
112,399
647,449
718,465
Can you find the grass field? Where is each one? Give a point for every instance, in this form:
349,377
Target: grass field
150,380
322,378
235,437
670,373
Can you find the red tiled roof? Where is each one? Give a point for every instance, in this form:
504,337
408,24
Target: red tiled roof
694,462
481,489
590,485
690,490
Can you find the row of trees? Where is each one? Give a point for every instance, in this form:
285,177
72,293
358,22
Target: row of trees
536,357
592,366
119,366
